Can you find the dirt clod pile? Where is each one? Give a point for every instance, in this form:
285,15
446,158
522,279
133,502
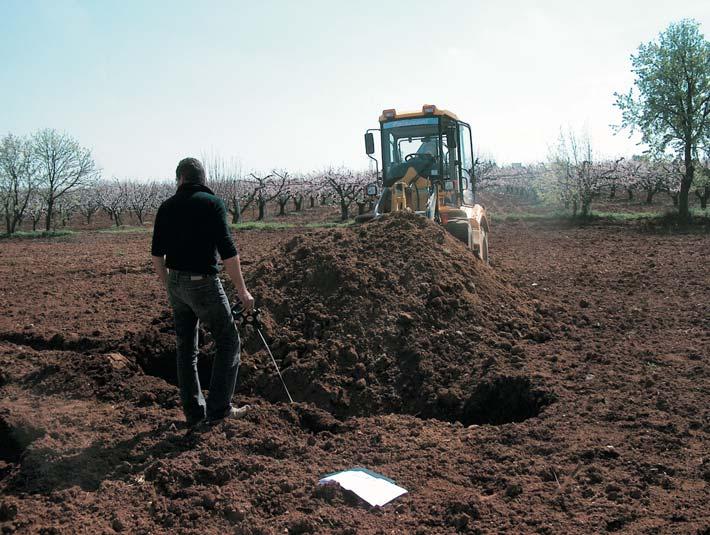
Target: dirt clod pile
394,316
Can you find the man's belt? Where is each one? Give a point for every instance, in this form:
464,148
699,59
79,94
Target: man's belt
193,277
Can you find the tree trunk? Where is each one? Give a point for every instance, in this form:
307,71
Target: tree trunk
612,191
585,209
48,218
312,202
649,196
298,203
361,207
703,197
344,211
630,193
684,200
236,212
16,222
685,183
282,208
262,211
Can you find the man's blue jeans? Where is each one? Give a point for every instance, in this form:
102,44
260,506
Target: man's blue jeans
196,299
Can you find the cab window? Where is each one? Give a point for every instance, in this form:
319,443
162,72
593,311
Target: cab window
466,162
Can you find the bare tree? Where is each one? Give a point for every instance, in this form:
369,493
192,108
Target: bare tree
346,185
652,176
514,179
298,189
114,199
18,179
312,187
284,195
141,197
36,209
64,209
227,180
64,165
89,202
579,176
267,189
484,166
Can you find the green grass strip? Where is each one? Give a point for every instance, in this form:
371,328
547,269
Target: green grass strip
567,216
270,225
37,234
123,230
625,216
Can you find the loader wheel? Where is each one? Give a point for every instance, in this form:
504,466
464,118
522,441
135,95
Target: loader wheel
483,253
460,230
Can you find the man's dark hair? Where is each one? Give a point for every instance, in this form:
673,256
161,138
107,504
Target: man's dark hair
191,170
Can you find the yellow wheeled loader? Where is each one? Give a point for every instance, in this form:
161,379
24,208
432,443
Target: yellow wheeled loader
428,168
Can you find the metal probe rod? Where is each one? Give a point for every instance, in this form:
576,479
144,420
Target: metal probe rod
275,365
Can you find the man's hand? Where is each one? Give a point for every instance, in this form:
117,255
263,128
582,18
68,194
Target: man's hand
234,269
161,270
246,299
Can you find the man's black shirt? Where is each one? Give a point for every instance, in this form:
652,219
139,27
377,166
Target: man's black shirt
191,228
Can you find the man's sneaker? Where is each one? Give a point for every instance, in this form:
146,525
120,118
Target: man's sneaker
240,412
233,414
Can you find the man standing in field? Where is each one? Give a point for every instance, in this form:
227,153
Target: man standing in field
190,230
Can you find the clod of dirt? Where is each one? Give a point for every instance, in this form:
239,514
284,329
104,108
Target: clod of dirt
15,437
317,420
8,511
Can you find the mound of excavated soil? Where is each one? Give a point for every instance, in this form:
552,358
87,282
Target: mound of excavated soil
394,316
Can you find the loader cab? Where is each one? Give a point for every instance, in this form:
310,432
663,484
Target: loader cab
421,150
428,168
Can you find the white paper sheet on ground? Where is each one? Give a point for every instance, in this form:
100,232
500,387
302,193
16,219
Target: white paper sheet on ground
372,487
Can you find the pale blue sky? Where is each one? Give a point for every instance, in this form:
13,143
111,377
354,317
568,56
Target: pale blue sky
295,84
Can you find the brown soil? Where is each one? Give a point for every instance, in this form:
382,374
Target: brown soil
563,390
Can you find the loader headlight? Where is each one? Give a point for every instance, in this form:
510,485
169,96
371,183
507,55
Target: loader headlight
389,114
428,108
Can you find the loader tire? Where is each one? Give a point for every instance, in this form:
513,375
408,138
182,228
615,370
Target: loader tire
483,253
460,230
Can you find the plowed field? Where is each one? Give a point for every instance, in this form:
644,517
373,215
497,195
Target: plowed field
564,389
